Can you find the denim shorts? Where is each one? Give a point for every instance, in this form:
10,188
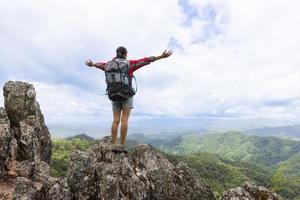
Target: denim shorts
126,104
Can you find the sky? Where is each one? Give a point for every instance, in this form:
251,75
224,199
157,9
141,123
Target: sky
232,59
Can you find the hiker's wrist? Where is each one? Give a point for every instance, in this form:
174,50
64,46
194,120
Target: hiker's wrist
159,57
152,58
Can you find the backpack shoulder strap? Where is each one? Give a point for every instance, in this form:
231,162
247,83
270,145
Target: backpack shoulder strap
128,63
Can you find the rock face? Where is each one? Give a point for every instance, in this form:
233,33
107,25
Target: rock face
27,121
140,173
24,138
249,191
5,139
25,147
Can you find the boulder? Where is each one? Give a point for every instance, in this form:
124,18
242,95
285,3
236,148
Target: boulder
57,191
24,168
26,189
249,191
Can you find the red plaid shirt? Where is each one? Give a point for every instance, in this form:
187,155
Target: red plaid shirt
134,64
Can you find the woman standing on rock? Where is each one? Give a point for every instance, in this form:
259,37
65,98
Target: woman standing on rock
119,74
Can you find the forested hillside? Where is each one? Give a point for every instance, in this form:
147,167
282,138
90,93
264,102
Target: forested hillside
257,158
222,174
61,150
236,146
287,178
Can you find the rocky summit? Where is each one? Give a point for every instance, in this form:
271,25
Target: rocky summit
103,172
139,173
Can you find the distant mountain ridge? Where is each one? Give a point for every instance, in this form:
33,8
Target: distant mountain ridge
82,136
292,131
233,145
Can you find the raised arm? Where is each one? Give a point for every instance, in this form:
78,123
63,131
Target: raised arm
136,64
99,65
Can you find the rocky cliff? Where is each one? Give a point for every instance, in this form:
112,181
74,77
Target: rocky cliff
103,172
25,146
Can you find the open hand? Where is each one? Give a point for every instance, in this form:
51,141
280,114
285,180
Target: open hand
166,54
89,63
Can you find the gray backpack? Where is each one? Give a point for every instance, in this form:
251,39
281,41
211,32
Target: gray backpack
117,79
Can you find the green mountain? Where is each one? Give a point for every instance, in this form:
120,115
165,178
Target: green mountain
160,141
286,180
222,174
61,150
267,151
82,137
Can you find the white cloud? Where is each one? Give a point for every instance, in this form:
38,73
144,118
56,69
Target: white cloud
70,101
231,58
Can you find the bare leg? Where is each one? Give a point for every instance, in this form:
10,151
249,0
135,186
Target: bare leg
115,125
124,124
